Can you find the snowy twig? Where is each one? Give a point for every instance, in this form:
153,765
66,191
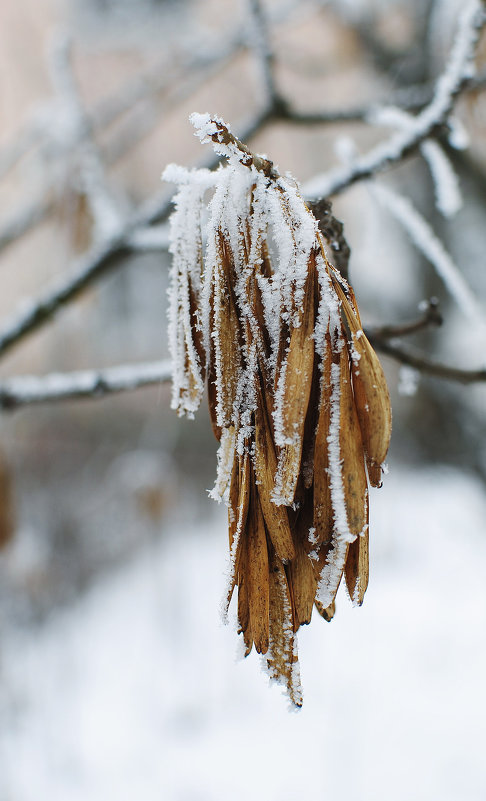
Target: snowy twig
261,44
384,340
40,131
28,390
426,124
432,248
215,129
98,261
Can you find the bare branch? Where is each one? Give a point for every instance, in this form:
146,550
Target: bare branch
411,98
30,215
431,316
28,390
427,123
424,365
384,340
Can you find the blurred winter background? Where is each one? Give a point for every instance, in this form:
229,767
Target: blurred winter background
117,679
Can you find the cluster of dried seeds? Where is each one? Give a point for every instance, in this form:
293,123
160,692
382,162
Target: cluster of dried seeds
297,396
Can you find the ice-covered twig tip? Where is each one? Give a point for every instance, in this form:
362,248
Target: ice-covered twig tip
297,396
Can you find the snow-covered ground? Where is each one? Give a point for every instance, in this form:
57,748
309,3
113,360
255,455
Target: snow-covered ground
135,694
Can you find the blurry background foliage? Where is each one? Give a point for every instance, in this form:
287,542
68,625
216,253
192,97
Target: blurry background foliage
94,102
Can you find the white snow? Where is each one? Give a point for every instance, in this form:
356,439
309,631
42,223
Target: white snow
448,196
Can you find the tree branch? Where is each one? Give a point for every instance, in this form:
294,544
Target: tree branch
28,390
424,365
431,316
428,123
383,338
264,52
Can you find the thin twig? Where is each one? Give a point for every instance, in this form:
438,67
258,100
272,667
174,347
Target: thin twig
431,316
260,40
424,365
411,98
29,390
383,339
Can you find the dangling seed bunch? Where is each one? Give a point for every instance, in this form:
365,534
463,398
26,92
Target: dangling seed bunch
297,396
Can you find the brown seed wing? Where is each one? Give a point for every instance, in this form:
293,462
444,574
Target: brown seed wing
298,383
282,656
265,462
353,467
227,336
257,573
322,520
328,612
357,568
304,584
371,395
243,604
239,496
301,572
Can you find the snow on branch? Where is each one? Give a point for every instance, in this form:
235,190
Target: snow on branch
448,198
432,248
260,42
27,389
457,72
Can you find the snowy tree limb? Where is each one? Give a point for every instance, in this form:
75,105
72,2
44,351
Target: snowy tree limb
28,390
35,314
427,124
411,98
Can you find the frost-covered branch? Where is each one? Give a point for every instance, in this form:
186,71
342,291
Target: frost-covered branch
432,248
385,339
28,390
260,40
35,314
405,142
